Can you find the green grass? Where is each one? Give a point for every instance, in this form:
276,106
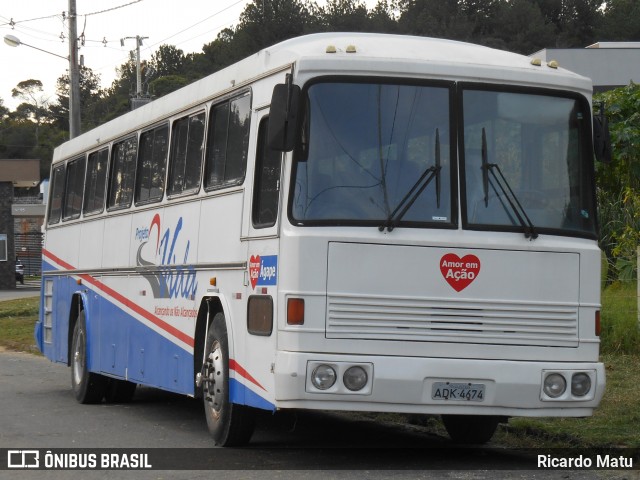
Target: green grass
17,320
619,319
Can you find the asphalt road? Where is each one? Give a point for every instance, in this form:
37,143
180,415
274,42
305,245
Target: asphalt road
38,410
31,288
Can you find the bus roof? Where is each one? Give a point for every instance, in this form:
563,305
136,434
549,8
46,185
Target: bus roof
406,47
342,53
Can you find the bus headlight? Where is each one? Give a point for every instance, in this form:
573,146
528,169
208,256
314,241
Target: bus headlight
554,385
323,377
580,384
355,378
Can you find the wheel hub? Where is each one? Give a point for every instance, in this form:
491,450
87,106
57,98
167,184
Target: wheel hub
78,359
213,378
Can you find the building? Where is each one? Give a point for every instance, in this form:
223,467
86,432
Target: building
21,216
609,64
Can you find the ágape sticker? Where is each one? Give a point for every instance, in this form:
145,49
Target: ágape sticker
459,272
263,270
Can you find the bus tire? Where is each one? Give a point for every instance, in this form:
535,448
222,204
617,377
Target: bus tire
88,387
119,391
470,429
229,424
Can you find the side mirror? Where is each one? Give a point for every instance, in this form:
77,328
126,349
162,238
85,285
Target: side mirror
283,116
601,137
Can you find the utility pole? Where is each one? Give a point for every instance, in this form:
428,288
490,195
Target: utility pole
74,73
138,99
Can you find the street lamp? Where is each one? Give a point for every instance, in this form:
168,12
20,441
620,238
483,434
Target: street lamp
74,83
13,41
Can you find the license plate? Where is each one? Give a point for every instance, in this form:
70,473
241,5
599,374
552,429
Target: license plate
471,392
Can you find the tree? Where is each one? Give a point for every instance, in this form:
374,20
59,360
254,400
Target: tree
26,132
222,52
623,112
167,60
126,81
519,26
4,111
30,92
34,106
164,73
576,21
266,22
382,19
17,138
167,84
116,99
91,114
344,16
581,19
435,18
621,21
619,182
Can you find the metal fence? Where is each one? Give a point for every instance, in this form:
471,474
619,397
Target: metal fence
29,252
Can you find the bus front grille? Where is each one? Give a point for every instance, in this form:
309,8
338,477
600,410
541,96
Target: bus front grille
459,321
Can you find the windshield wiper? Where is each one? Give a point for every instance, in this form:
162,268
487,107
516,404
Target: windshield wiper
414,192
507,191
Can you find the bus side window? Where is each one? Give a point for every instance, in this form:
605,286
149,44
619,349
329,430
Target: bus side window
187,147
266,188
73,190
152,162
123,169
57,188
96,181
228,143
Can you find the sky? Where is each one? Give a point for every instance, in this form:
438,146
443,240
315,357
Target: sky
187,24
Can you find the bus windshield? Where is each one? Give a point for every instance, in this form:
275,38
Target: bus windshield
375,153
381,154
526,163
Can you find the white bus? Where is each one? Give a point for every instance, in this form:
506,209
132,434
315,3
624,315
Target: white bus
350,222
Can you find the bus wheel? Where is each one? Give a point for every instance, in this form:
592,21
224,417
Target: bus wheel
87,387
470,429
119,391
229,424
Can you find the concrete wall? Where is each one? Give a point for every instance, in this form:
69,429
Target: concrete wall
7,269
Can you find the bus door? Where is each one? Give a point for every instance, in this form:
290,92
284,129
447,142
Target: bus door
262,217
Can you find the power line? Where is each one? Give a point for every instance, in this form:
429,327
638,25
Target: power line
104,41
149,47
108,9
12,23
198,23
92,44
35,33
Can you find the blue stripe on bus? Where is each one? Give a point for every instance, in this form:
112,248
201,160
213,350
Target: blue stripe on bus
121,346
239,393
118,344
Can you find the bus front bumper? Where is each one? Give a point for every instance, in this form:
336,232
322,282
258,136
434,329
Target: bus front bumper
437,385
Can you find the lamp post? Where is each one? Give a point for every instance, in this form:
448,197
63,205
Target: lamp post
15,42
74,73
74,82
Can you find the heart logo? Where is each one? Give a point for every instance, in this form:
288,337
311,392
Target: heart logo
254,270
459,272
